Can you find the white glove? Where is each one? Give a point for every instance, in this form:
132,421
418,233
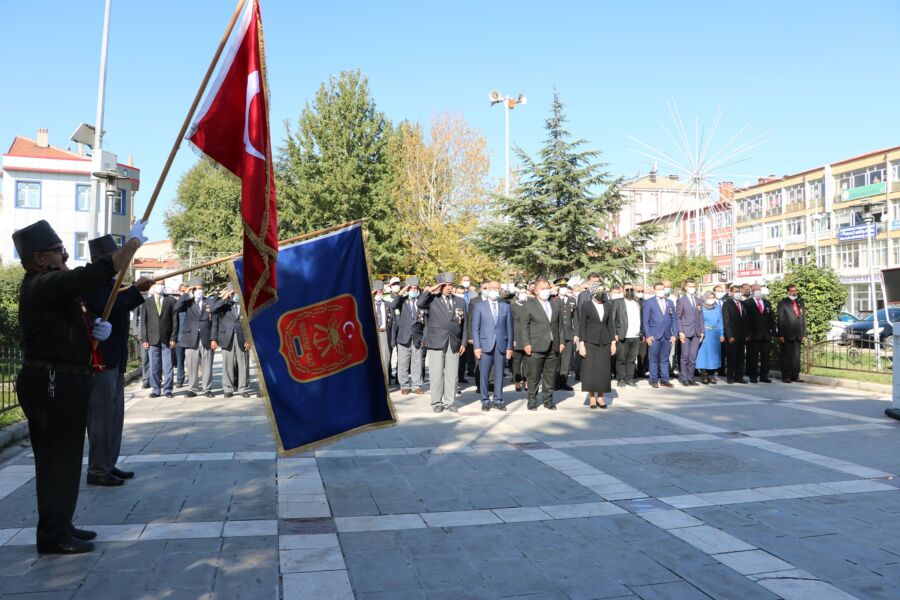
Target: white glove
101,329
137,231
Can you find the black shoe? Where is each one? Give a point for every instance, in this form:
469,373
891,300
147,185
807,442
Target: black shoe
121,474
742,380
209,394
486,407
654,384
532,408
104,480
693,382
566,388
765,380
179,384
229,394
754,380
713,380
437,409
549,406
170,395
621,384
72,546
154,394
685,383
499,406
667,384
603,406
145,386
85,535
191,393
632,383
463,380
729,381
786,381
797,381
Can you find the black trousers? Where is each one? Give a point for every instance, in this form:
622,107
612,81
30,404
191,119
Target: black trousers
735,354
541,368
564,364
758,359
643,360
790,359
518,366
626,355
57,428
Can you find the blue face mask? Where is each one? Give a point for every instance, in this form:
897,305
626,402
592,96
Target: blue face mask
236,299
414,294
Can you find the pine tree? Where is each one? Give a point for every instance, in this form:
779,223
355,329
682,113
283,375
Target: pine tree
552,223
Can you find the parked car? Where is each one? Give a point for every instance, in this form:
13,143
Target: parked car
862,333
840,324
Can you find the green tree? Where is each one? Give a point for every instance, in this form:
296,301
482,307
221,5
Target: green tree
206,208
552,223
822,293
680,268
335,167
10,280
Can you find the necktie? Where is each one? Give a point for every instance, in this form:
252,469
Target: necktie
796,309
447,302
740,308
759,304
158,305
378,311
494,311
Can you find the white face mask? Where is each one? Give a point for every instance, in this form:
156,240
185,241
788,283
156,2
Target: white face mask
564,292
660,293
395,288
465,284
378,297
198,295
710,301
757,293
792,296
616,296
544,294
720,295
523,296
493,294
158,290
667,291
690,291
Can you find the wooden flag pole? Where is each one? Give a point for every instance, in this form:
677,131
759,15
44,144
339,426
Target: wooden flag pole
184,127
290,240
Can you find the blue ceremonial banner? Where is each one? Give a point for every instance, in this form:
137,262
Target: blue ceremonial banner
317,346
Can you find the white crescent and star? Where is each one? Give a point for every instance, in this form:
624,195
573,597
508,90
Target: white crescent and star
252,91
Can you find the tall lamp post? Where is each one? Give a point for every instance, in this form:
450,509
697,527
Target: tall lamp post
869,212
508,103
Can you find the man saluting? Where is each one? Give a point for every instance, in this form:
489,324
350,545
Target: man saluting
54,385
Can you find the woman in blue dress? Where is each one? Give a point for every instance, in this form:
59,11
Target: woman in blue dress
709,359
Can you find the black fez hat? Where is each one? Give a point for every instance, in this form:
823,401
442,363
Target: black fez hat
413,280
443,278
101,246
34,238
195,281
377,285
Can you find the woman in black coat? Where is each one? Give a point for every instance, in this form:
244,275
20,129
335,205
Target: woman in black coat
596,345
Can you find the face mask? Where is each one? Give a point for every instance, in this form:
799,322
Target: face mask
660,293
629,294
395,288
378,297
690,291
792,296
158,290
460,295
493,294
757,293
544,294
564,292
554,292
198,295
720,295
236,299
465,284
667,291
615,296
523,296
414,294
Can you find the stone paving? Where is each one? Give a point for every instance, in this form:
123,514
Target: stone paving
733,492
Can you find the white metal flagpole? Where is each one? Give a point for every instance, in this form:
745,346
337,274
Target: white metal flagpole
98,191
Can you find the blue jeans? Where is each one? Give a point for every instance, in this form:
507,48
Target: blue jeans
160,366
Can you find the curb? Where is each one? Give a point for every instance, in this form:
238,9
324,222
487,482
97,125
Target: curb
850,384
13,433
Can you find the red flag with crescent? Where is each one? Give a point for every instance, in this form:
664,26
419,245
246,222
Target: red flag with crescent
232,128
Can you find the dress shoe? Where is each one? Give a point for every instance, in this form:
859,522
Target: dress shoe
437,409
654,384
404,392
766,380
145,386
463,380
685,383
190,394
713,380
418,390
754,380
154,394
179,384
532,408
632,383
486,407
170,395
603,406
104,480
798,380
82,534
451,408
228,394
121,474
566,388
729,380
499,406
549,406
72,546
621,384
666,384
209,394
742,380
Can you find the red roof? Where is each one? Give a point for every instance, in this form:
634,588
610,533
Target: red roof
23,146
154,263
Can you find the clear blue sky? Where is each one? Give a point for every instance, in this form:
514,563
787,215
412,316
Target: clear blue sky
818,78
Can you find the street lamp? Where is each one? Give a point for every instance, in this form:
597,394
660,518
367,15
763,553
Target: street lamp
870,211
190,243
509,103
643,242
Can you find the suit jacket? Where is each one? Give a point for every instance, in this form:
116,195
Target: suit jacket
619,324
689,315
161,328
114,349
389,320
443,326
790,326
657,324
487,335
734,321
539,332
583,297
593,329
568,316
518,315
474,301
226,324
760,326
410,321
197,327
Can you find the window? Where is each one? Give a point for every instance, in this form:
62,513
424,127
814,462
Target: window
896,172
119,240
82,197
773,231
727,274
147,274
822,223
749,236
796,227
774,263
816,190
723,219
794,196
749,263
81,246
795,257
28,194
824,257
722,247
119,202
879,252
773,202
750,208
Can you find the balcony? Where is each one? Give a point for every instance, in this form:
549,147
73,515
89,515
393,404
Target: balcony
863,191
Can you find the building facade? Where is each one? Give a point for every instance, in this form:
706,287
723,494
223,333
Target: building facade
40,181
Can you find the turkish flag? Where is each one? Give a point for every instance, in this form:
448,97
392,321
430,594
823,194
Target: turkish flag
232,128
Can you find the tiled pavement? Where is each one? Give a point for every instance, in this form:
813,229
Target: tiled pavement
755,491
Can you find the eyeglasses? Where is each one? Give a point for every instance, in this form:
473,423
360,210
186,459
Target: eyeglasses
60,249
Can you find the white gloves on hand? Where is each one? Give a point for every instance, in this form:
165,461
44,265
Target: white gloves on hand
137,231
101,329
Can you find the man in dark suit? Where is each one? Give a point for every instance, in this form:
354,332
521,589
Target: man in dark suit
228,332
158,335
658,323
467,364
195,335
760,327
567,315
384,319
542,337
106,409
444,342
518,362
410,328
474,300
492,339
626,324
734,319
689,318
791,334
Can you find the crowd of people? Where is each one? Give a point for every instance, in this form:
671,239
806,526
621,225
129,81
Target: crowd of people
542,332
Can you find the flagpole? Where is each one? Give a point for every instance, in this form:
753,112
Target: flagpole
290,240
184,126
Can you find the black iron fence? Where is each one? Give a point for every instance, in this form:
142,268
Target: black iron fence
871,357
10,361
